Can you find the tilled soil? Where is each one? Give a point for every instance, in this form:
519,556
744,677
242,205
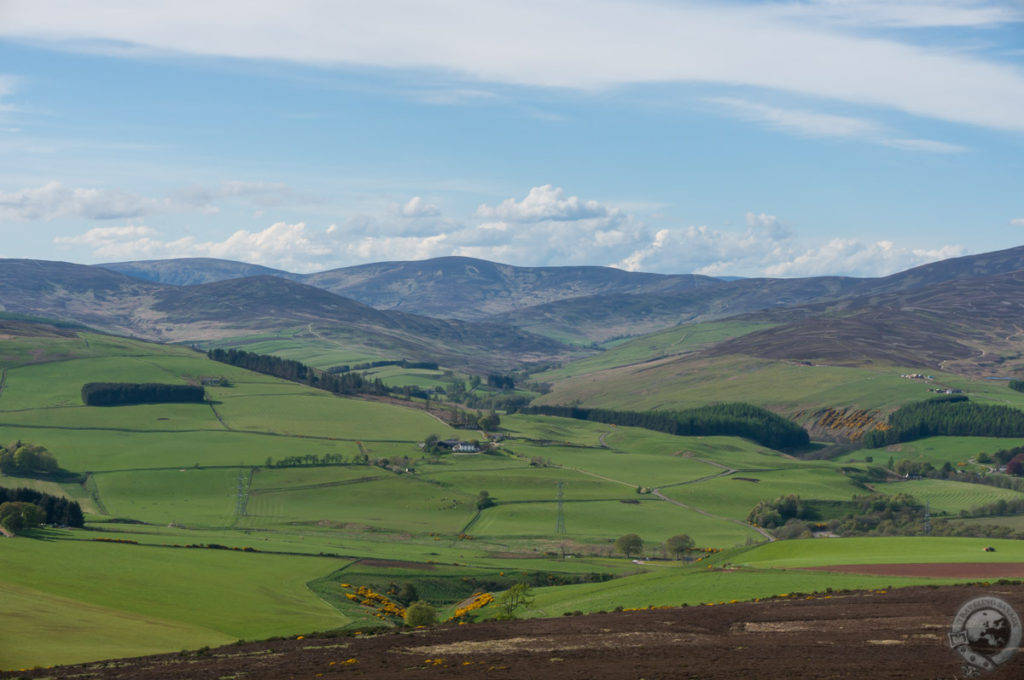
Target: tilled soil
895,634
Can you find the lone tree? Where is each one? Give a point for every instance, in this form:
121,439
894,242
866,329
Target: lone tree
489,422
484,500
16,516
519,595
629,544
679,544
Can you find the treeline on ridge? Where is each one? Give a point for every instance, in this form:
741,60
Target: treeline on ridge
734,419
296,371
59,510
953,416
122,394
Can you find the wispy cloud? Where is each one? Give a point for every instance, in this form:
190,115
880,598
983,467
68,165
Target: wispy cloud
904,13
804,123
1018,222
7,85
798,121
54,199
818,49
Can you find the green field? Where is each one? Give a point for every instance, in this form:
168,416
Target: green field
815,552
957,451
167,476
788,388
672,341
950,497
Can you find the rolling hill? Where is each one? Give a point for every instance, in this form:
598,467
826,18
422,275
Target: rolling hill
117,303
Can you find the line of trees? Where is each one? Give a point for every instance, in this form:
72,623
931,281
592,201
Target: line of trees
947,416
296,371
55,509
734,419
1017,385
121,394
310,459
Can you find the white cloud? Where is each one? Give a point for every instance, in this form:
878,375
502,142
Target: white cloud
53,199
545,228
814,49
289,246
545,203
1018,222
766,248
417,207
858,258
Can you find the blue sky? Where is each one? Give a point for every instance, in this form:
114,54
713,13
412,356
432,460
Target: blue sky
787,138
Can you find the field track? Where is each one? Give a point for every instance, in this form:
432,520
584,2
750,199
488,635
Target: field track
879,634
968,570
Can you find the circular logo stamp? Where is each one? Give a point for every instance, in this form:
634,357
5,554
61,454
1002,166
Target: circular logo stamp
985,633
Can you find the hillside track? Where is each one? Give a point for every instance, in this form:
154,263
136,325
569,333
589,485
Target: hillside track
895,634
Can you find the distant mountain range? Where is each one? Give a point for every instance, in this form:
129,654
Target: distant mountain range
468,312
444,287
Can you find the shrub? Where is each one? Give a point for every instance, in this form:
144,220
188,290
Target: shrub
420,613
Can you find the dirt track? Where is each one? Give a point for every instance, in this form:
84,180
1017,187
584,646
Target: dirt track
899,634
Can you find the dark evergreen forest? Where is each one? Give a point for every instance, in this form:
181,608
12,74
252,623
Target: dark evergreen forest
954,416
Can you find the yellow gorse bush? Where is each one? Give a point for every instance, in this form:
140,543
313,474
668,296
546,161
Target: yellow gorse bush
479,601
384,608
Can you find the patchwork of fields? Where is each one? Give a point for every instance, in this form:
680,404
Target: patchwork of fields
195,537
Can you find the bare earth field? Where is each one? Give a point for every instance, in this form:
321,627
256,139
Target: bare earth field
895,634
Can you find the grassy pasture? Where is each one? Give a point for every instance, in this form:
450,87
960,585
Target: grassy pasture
629,469
321,414
947,496
29,618
85,449
735,498
188,496
232,594
667,584
675,340
311,350
784,387
603,521
549,428
936,450
389,502
521,483
815,552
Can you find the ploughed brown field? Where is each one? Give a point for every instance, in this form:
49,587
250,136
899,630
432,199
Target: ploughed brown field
878,634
